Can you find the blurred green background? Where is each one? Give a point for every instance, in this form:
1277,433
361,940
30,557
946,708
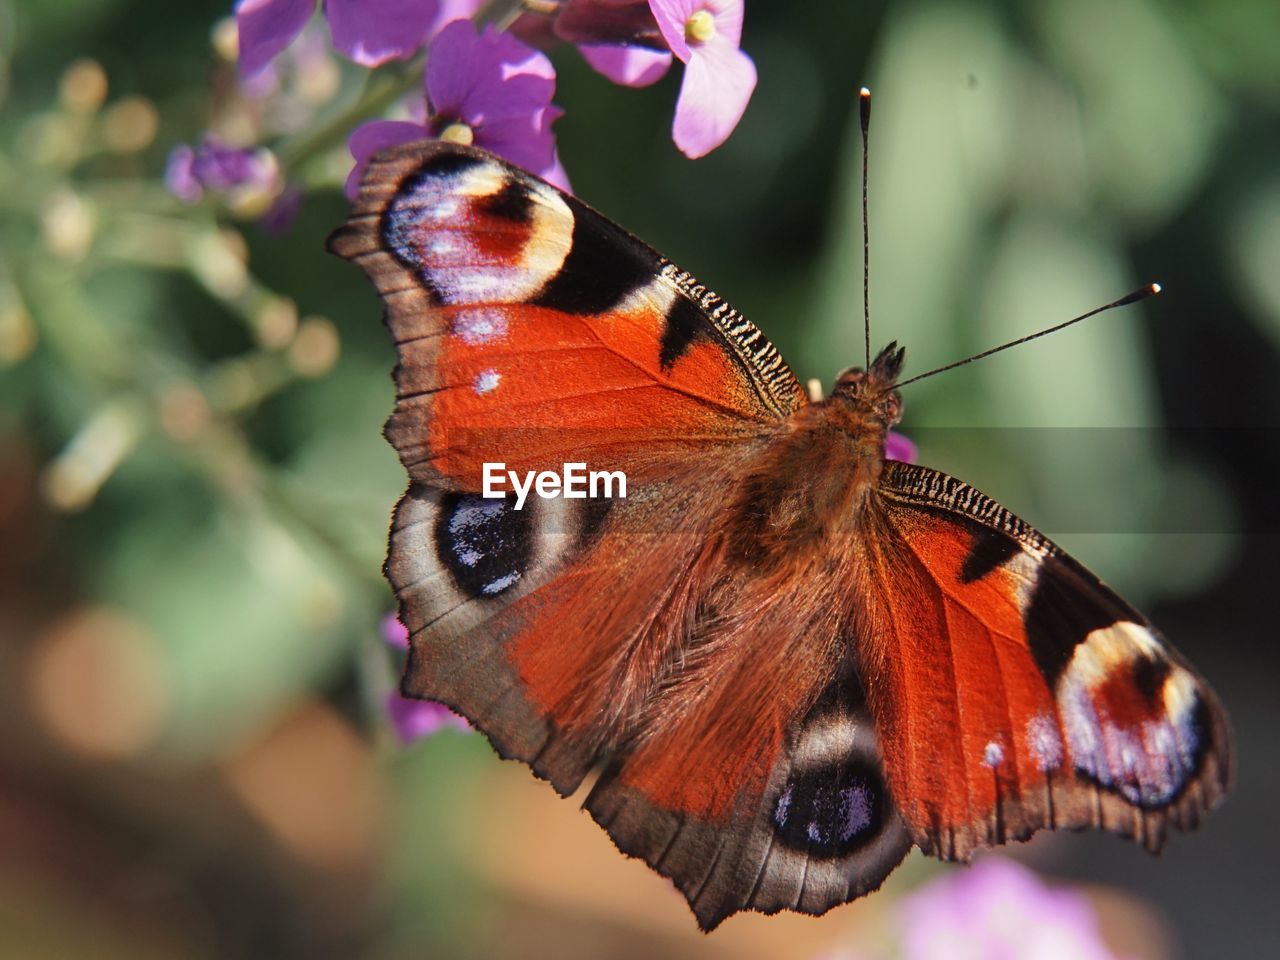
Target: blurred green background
194,491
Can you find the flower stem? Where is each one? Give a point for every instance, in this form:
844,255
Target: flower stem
500,13
382,88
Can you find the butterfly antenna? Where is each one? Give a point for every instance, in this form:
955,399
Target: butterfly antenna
1150,290
864,114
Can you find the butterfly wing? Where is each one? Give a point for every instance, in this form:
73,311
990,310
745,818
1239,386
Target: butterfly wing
1013,691
821,831
533,331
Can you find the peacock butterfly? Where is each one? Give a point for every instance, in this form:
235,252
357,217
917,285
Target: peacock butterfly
788,658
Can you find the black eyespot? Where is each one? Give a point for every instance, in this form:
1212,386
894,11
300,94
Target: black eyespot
831,811
484,542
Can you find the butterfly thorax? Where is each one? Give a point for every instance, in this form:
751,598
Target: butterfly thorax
810,481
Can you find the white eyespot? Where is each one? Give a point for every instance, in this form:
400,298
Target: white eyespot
486,382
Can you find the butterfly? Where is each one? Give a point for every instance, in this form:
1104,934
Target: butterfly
784,658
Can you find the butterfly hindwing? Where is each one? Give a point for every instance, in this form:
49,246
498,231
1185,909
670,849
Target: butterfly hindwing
1015,691
822,831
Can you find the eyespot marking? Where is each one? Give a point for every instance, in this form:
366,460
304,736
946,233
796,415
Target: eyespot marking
475,232
831,811
1146,748
484,543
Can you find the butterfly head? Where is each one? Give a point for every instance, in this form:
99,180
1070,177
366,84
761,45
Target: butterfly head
875,388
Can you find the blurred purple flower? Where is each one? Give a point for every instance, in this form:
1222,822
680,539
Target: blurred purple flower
998,910
305,62
489,90
266,27
718,77
368,32
279,218
414,719
214,166
898,447
394,632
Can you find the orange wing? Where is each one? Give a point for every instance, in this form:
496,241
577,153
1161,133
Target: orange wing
1014,691
533,331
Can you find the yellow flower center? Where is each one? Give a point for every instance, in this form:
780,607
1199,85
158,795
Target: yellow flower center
700,27
458,133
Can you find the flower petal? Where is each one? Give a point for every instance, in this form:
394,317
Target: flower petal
415,719
555,174
284,210
718,82
451,10
672,15
368,138
180,175
371,32
522,140
628,66
728,17
898,447
266,27
394,632
998,908
479,78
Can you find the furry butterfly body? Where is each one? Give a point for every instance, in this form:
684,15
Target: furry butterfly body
789,659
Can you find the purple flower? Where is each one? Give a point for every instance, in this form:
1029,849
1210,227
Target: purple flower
718,77
998,910
266,27
410,718
618,38
216,167
304,68
632,41
279,218
394,632
414,719
898,447
368,32
489,90
627,66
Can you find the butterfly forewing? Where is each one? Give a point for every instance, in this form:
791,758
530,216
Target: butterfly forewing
533,331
